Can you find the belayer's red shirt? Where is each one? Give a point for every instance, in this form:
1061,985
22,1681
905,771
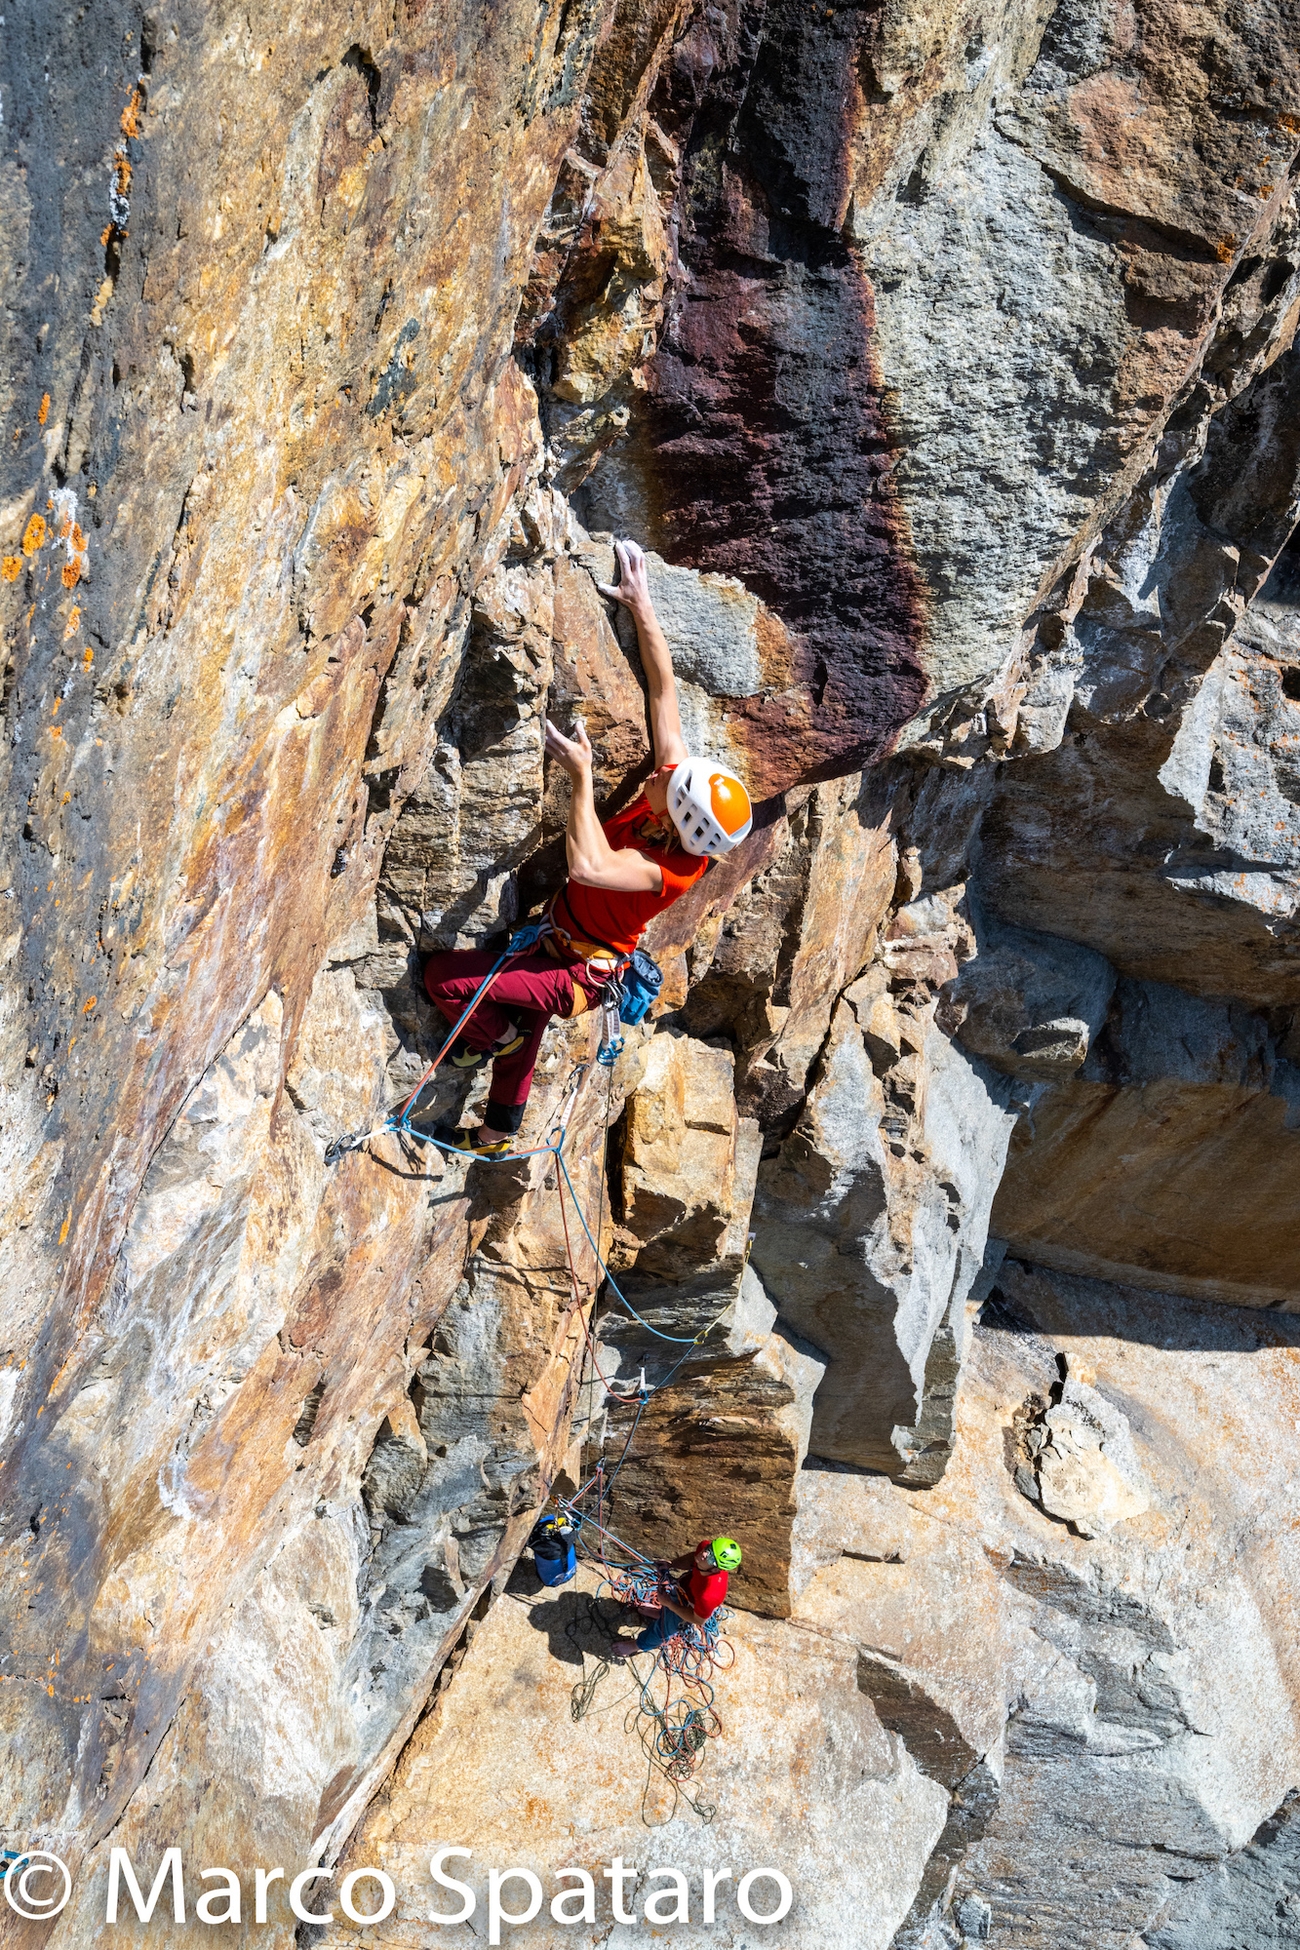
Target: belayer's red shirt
707,1591
618,920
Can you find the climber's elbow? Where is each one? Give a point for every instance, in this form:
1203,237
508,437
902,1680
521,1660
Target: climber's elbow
585,869
625,872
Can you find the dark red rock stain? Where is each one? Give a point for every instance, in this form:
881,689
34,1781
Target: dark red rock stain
762,443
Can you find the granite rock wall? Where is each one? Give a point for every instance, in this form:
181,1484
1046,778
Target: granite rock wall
944,364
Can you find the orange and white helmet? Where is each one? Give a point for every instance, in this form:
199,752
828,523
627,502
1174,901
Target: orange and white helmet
709,807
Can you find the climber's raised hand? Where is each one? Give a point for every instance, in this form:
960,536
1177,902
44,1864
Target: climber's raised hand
573,754
593,862
632,588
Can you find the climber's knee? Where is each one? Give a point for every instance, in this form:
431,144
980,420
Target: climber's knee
580,1003
664,1628
452,974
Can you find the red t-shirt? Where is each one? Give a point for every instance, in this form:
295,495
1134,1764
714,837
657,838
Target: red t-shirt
707,1591
617,919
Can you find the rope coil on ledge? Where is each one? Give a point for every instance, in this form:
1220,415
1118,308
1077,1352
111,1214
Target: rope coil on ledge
673,1732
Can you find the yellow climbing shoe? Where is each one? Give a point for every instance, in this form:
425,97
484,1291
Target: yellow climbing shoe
464,1141
463,1057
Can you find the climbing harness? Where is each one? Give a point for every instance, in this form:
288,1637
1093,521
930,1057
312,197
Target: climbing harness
630,984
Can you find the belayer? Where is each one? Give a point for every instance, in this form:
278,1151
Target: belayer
696,1587
621,874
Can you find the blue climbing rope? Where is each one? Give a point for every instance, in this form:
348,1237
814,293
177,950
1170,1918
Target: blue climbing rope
678,1340
400,1119
673,1734
556,1149
400,1123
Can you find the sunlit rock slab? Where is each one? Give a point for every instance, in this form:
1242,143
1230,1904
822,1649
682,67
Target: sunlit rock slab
802,1778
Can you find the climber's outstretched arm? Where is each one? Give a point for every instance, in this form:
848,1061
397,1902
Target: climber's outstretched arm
633,591
593,862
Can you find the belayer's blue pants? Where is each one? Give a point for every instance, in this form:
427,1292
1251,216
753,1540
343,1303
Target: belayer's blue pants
659,1631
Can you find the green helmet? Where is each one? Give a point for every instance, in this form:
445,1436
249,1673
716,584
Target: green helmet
726,1553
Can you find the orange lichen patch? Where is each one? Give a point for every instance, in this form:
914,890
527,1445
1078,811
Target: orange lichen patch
34,535
71,574
1225,248
43,410
11,567
63,1229
86,1007
74,623
131,114
107,232
122,170
67,798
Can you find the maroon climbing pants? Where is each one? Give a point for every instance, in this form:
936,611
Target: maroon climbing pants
530,989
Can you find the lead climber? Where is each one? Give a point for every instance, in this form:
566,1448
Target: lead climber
621,874
695,1587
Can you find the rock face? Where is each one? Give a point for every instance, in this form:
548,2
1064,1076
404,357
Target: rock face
1118,1703
945,366
488,1760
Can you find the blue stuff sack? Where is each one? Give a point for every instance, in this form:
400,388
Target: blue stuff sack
641,982
553,1550
555,1559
